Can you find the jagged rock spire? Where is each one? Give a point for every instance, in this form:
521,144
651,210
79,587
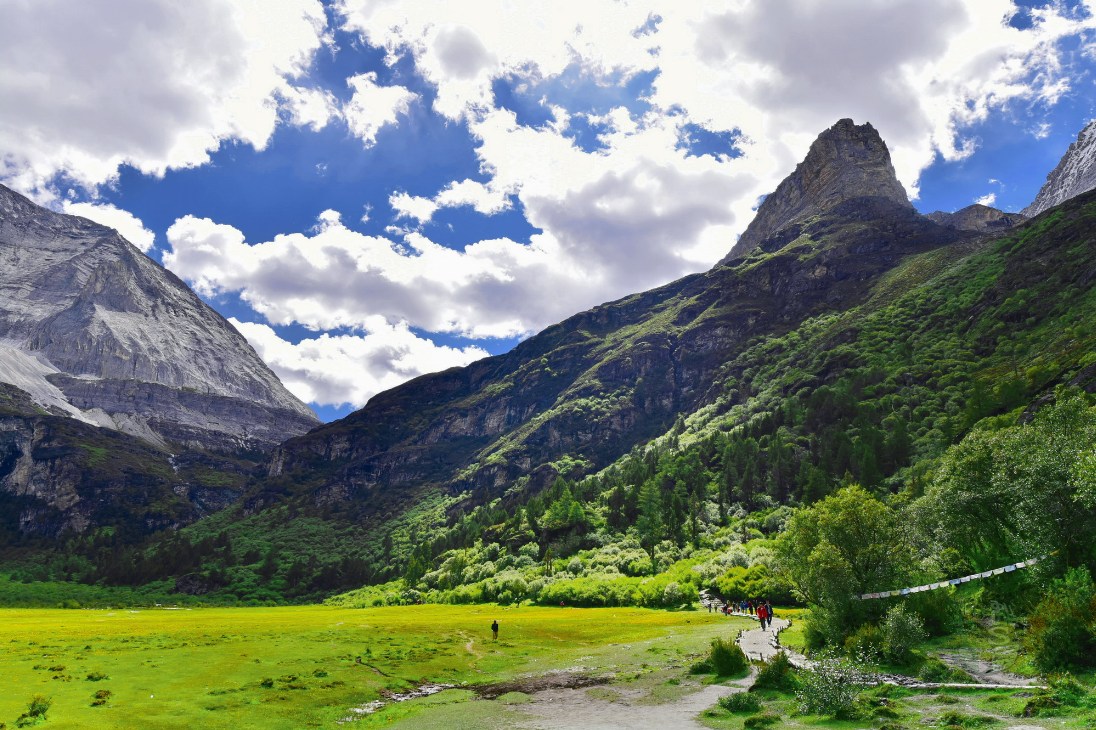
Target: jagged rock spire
846,161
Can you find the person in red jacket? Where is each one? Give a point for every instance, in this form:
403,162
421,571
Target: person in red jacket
761,614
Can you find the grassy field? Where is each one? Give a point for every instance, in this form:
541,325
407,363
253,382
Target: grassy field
296,667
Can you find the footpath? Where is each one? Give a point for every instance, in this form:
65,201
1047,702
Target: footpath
765,643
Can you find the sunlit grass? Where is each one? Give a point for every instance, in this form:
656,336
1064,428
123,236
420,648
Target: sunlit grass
206,667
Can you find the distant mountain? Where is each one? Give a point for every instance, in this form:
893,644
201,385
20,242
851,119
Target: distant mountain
846,161
93,329
1075,174
977,217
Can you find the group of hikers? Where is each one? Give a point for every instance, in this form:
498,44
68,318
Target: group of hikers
762,609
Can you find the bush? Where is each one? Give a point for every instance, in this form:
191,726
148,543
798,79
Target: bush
934,670
35,713
727,658
902,630
777,673
704,666
1063,625
741,702
1066,689
761,721
97,676
830,687
866,643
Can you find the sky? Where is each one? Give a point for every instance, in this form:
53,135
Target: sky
371,190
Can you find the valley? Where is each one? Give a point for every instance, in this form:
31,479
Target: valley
857,398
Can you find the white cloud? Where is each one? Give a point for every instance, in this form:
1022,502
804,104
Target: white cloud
410,206
352,368
374,106
130,226
87,87
988,199
778,70
615,237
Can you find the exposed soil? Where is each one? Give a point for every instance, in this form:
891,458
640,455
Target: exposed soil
532,685
574,709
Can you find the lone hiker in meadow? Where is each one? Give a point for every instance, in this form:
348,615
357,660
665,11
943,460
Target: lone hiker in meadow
495,630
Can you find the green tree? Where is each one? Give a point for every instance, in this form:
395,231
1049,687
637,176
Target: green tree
848,543
650,514
1020,492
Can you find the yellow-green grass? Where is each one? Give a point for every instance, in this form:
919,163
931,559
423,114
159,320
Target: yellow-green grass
205,667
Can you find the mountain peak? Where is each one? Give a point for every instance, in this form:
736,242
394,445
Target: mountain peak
846,161
1075,174
977,217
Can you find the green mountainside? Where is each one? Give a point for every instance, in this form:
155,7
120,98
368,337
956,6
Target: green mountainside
856,346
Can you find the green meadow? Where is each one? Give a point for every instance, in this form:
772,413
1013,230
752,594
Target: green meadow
293,667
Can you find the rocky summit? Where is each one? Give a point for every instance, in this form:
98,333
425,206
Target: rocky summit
846,161
95,330
1075,174
981,218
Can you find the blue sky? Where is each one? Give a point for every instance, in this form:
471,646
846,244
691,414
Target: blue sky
563,157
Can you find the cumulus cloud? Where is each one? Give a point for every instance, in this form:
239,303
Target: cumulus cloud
615,238
156,84
373,106
988,199
352,368
410,206
778,71
129,225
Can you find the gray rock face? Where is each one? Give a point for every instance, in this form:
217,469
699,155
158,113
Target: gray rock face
846,161
980,218
1075,174
125,342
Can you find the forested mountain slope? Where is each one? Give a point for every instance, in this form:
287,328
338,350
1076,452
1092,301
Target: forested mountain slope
588,389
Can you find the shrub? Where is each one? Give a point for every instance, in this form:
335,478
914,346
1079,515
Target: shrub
761,721
1066,689
830,687
741,702
704,666
934,670
866,643
777,673
902,630
267,682
97,676
727,658
35,713
1063,625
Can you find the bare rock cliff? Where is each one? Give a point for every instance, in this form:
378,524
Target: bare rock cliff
94,329
1075,174
846,161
